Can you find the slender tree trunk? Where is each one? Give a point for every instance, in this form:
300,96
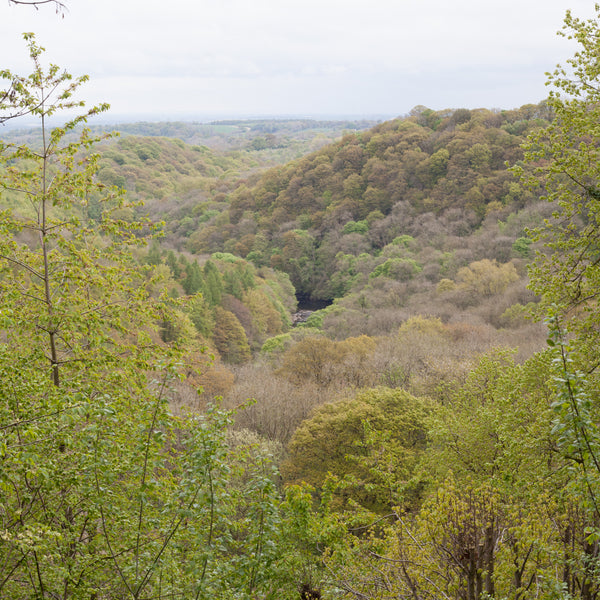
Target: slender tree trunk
489,560
54,362
566,568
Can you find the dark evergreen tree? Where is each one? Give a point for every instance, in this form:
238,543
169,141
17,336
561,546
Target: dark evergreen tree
154,253
173,264
193,281
213,288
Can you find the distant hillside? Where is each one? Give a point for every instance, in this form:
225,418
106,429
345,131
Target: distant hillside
253,134
433,176
418,215
156,167
415,231
391,221
183,171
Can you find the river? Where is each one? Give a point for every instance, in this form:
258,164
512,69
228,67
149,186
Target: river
307,306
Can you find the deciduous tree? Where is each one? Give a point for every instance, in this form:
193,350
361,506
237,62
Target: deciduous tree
104,492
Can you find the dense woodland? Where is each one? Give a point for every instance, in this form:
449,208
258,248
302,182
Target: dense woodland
169,430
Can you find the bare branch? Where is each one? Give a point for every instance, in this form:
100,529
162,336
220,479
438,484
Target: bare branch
60,8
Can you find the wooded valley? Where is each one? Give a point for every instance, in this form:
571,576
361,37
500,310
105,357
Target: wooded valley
169,429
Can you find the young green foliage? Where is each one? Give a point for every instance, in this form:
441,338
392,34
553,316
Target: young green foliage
104,493
567,159
69,286
567,274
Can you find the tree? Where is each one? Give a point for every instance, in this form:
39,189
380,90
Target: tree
213,283
486,277
104,492
10,107
327,362
371,441
70,270
566,156
193,281
230,338
266,320
154,256
308,361
566,275
201,315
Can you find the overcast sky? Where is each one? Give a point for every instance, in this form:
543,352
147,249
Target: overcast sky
199,59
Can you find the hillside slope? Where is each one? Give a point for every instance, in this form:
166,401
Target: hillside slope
433,176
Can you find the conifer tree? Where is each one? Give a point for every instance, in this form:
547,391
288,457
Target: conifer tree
193,282
214,283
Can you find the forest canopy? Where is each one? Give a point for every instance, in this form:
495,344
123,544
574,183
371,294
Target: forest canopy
165,430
